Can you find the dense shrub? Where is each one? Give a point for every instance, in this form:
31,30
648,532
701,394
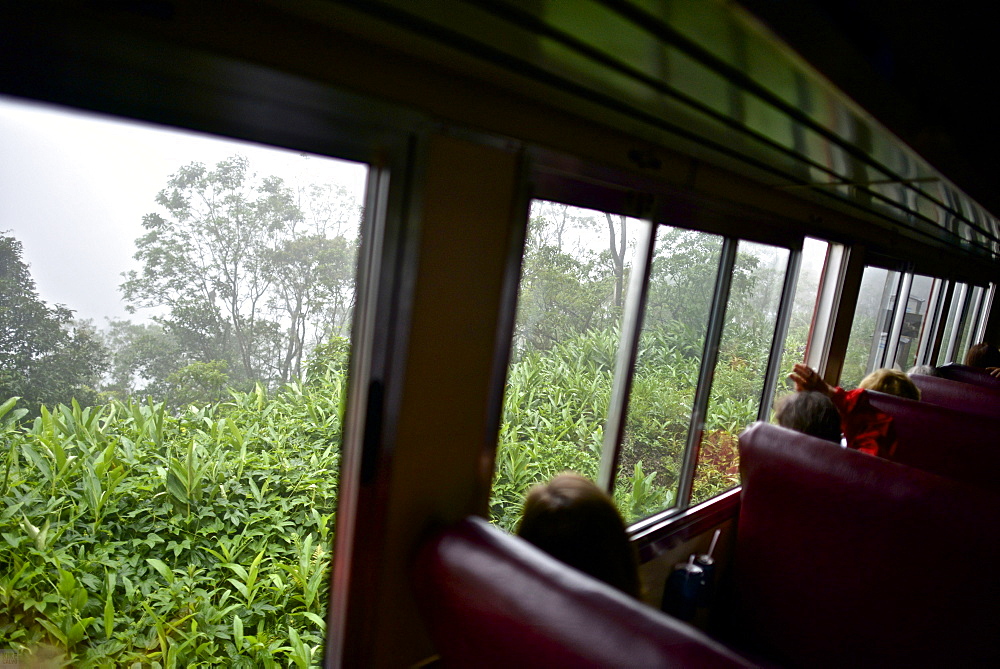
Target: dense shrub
556,405
130,536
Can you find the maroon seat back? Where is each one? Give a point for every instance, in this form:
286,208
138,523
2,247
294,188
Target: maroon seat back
967,374
956,444
847,560
493,600
968,397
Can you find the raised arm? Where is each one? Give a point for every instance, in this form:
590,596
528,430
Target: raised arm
806,378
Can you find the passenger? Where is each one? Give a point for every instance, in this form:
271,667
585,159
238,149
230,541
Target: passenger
923,370
809,412
984,356
891,381
865,428
573,520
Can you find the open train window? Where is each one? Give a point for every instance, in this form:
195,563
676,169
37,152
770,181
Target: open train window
808,320
969,314
953,314
668,361
573,281
176,315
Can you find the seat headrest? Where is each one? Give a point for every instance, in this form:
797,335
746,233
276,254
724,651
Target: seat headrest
493,600
846,559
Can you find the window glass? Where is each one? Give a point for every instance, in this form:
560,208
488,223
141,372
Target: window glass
573,278
914,321
175,314
967,329
871,325
954,314
738,382
800,324
681,287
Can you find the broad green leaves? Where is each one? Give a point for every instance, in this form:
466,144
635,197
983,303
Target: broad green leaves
132,536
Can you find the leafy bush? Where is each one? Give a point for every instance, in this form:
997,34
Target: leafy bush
133,537
556,404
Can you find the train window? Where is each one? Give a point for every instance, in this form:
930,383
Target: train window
901,319
950,339
873,318
930,327
681,286
968,326
573,278
802,321
741,368
914,321
180,364
645,389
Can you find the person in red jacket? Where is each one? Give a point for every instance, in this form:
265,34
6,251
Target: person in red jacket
865,428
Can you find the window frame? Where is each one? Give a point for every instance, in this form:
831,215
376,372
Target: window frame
951,303
552,178
246,101
566,180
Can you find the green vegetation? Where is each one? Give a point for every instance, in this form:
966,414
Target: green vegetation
44,356
556,405
169,488
565,346
133,536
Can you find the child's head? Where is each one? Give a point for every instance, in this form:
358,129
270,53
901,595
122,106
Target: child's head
983,355
573,520
892,382
809,412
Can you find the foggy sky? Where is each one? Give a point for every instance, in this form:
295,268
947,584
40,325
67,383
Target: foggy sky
74,188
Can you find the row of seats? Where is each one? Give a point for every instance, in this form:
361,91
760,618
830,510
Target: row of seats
981,400
966,374
493,600
891,561
841,559
844,559
942,440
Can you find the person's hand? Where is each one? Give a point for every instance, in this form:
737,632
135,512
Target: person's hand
994,372
805,378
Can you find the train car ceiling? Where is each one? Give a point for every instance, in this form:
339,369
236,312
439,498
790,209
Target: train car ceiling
679,88
703,78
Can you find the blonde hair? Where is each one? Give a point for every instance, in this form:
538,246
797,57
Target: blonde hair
891,381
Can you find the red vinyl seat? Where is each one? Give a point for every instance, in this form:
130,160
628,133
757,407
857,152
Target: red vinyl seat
848,560
952,443
967,374
968,397
493,600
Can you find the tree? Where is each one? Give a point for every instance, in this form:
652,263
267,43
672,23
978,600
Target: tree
143,355
45,357
616,248
570,285
314,286
248,279
200,383
561,296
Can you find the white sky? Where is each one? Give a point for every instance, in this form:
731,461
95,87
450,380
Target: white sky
74,187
